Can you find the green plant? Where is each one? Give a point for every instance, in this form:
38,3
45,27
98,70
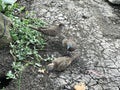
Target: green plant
19,81
26,40
49,58
10,75
3,88
17,67
6,4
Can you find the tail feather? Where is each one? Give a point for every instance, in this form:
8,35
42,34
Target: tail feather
32,27
75,56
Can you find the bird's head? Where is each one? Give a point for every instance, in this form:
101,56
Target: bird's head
68,47
50,67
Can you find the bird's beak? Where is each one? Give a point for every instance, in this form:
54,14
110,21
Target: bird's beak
68,47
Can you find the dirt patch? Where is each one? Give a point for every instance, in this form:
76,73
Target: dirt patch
31,80
5,65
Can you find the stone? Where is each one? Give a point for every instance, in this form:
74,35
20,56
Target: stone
60,18
43,11
98,87
48,15
6,38
114,1
5,62
61,81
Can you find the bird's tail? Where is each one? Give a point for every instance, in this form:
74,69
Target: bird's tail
32,27
75,56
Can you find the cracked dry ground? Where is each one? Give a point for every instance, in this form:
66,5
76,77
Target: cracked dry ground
95,25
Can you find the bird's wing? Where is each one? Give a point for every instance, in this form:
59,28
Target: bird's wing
64,42
62,66
59,59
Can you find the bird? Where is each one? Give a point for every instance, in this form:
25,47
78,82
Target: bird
69,44
60,63
50,31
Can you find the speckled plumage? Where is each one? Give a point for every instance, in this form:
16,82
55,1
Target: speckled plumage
61,63
50,31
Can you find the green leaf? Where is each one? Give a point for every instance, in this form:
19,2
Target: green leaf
14,36
3,5
10,75
0,8
0,5
22,8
